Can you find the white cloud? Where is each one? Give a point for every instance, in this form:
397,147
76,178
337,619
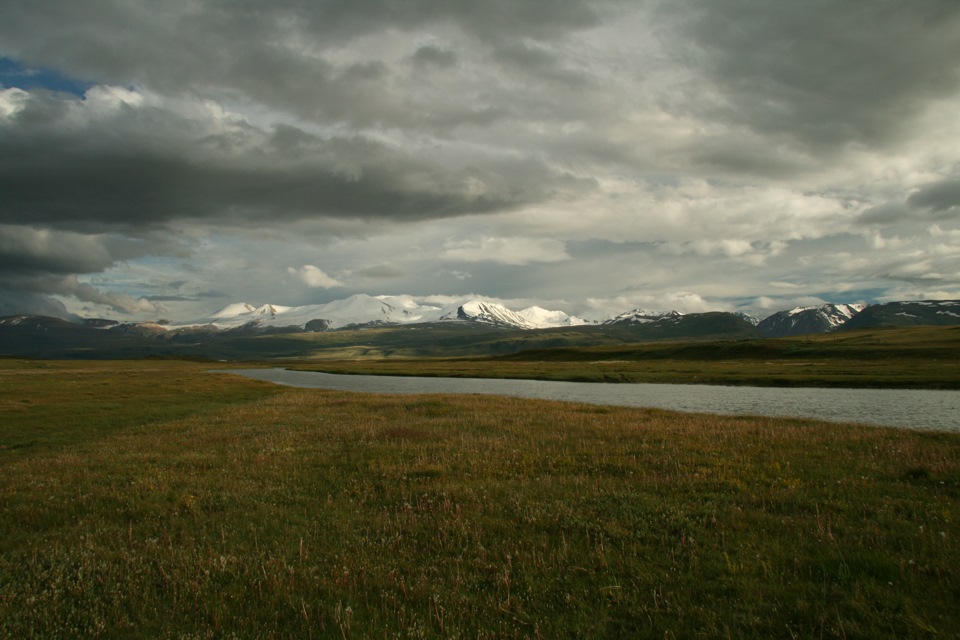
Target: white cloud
515,251
104,97
314,277
12,100
682,301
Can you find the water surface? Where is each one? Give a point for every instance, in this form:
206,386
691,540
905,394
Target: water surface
911,408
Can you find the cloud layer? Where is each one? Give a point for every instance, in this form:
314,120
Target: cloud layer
161,159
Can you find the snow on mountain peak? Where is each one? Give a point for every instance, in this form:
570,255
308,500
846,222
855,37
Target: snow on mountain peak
801,320
269,310
247,312
543,318
233,310
361,309
477,310
642,316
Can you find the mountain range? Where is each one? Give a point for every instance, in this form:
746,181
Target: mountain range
362,310
472,326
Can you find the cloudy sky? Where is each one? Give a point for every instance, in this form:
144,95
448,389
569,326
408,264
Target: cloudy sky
164,159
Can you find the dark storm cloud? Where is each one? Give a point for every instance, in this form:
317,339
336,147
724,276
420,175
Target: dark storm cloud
884,214
284,54
272,52
754,157
937,197
170,298
110,189
36,263
335,20
380,271
937,200
34,288
86,184
538,62
429,55
26,250
139,167
30,303
821,73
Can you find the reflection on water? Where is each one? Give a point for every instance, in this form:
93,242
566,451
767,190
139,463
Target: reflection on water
912,408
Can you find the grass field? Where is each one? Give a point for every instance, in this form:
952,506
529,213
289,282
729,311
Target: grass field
152,499
915,357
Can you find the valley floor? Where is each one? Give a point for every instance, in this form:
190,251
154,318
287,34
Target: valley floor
154,499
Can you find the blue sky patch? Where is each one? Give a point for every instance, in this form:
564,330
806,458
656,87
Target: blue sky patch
14,74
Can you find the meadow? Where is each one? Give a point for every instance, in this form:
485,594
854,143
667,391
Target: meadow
152,499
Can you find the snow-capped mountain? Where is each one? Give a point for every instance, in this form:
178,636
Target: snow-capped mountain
487,312
365,310
642,316
543,318
358,309
747,317
249,312
804,320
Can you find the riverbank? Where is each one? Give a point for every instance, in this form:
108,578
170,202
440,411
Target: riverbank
154,499
901,358
907,408
852,374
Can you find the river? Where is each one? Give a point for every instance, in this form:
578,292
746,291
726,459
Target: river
910,408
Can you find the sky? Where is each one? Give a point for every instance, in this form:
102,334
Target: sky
165,159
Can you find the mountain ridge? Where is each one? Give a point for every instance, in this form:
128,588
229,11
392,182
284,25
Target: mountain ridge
364,311
642,316
361,310
906,314
805,320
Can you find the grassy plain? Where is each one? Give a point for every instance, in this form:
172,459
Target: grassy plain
153,499
924,357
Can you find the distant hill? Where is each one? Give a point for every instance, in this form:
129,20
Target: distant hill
713,325
907,314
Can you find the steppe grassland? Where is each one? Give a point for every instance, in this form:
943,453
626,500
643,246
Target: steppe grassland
165,501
